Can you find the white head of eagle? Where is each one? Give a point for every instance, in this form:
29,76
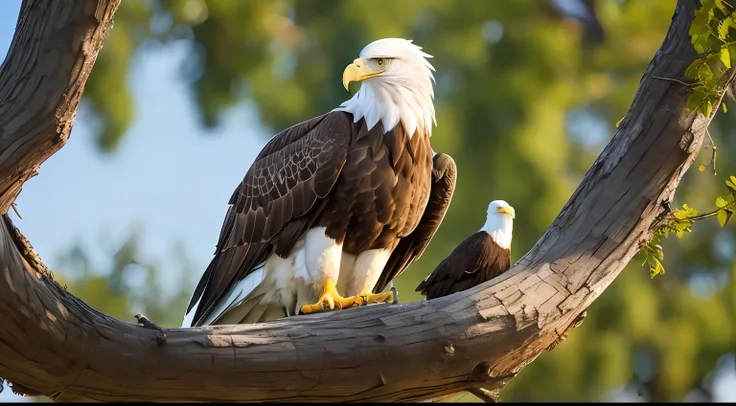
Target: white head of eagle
500,222
397,86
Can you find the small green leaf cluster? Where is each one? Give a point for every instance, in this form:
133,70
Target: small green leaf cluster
726,204
681,221
677,222
713,35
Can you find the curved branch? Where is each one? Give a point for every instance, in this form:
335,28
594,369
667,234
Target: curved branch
42,80
54,344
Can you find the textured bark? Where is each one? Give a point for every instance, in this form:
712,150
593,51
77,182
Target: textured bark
42,80
52,343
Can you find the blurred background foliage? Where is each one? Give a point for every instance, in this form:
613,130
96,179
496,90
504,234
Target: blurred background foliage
528,93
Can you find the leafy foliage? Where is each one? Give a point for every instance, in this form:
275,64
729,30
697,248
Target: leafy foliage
712,33
681,221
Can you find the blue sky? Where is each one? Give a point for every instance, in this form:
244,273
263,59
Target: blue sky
169,176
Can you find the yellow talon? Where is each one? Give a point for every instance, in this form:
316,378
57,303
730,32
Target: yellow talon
367,298
329,300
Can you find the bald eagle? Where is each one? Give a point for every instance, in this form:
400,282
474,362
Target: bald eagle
335,207
479,258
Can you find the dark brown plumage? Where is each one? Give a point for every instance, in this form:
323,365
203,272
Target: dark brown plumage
366,187
411,247
476,260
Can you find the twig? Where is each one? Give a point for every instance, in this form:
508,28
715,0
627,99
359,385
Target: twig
674,80
485,395
713,148
143,320
574,324
15,209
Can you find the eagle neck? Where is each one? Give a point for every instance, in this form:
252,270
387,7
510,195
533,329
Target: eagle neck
500,228
380,102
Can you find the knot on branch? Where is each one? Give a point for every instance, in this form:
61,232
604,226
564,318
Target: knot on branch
687,143
574,324
27,250
145,322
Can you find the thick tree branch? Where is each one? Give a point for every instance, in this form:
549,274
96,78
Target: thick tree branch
42,80
52,343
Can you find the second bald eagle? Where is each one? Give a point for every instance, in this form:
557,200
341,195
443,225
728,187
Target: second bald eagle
479,258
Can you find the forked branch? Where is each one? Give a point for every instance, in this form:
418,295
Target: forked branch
52,343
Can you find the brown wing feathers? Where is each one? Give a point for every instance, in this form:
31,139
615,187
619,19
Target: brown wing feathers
411,247
475,260
295,170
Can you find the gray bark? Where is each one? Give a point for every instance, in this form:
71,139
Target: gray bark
52,343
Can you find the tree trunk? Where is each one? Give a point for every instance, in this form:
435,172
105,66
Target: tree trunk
51,343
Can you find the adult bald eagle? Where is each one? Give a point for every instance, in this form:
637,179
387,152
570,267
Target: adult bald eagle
479,258
327,202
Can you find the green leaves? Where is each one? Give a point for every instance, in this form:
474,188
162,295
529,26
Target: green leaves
711,34
699,70
727,205
726,56
653,257
731,183
681,220
685,212
723,217
700,28
702,99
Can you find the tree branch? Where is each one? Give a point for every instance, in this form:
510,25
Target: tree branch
42,80
52,343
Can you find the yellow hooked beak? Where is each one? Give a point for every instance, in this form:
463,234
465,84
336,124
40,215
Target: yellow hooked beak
507,210
357,71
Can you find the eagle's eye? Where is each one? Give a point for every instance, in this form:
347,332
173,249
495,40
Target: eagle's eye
380,62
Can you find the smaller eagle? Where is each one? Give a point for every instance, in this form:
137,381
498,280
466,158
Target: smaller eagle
479,258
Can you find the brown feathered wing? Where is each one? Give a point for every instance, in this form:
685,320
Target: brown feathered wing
475,260
411,247
275,203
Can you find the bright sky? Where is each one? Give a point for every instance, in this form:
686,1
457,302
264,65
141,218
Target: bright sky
168,176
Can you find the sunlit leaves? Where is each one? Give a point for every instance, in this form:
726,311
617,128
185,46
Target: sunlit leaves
685,212
699,29
726,205
681,221
723,217
725,56
731,183
711,34
653,257
726,209
700,70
